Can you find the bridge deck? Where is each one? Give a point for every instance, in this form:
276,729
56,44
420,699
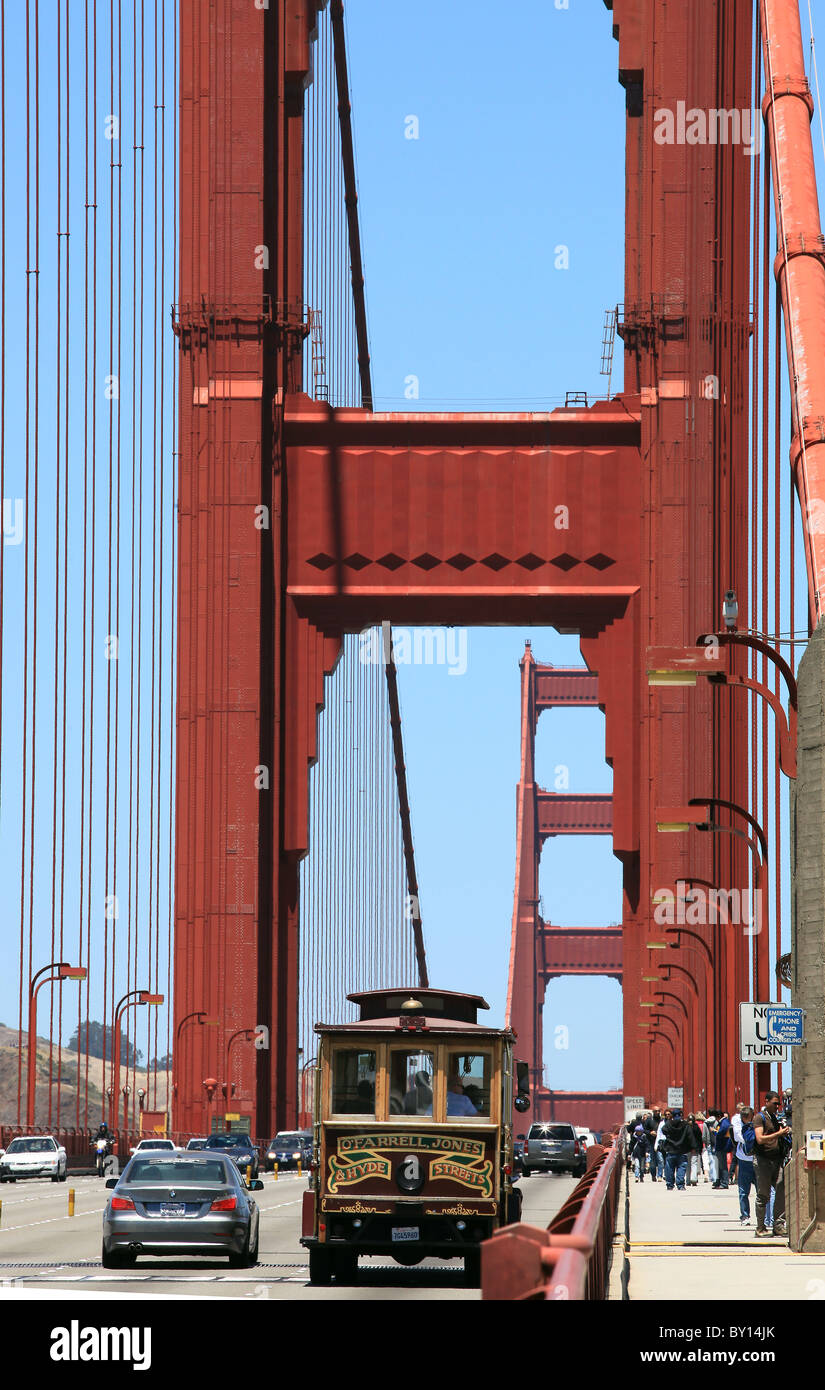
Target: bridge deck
689,1245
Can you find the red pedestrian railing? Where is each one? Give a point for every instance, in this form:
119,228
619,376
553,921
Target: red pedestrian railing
569,1260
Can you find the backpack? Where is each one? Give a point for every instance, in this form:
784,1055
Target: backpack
748,1139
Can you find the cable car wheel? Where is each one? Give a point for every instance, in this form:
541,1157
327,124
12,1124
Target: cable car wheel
407,1257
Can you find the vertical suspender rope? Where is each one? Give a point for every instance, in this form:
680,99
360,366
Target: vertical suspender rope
351,200
404,806
55,954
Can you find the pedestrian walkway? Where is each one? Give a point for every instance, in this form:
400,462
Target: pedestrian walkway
689,1245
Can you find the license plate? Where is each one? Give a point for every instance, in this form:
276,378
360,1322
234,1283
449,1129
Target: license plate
405,1233
172,1209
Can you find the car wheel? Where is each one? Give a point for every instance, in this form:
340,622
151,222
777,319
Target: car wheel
320,1266
525,1171
64,1175
55,1177
246,1257
346,1267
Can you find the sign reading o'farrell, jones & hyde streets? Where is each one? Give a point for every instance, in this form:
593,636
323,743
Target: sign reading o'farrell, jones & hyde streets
766,1030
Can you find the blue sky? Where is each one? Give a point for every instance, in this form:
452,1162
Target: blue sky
520,149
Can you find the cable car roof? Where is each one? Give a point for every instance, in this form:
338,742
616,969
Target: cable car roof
434,1003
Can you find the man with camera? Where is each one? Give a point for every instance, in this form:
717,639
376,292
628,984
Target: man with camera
770,1151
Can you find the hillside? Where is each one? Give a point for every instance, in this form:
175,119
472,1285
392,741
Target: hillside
68,1063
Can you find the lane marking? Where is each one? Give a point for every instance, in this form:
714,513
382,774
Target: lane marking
50,1220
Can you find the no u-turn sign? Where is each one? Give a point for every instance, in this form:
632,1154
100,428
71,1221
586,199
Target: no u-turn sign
759,1026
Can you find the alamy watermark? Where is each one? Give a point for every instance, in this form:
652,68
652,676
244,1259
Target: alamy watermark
702,907
13,520
716,126
419,646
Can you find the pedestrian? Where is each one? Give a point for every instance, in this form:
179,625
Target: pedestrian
736,1137
630,1127
678,1143
723,1148
639,1151
709,1140
695,1164
651,1124
702,1153
770,1152
660,1141
745,1161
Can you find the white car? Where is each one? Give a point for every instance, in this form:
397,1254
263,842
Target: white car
586,1134
166,1144
33,1156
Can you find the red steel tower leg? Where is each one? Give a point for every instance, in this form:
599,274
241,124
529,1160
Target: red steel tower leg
244,727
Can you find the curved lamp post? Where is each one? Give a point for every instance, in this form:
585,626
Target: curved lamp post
131,1000
239,1033
203,1021
64,972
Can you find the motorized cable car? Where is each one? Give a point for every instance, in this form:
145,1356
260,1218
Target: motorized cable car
413,1141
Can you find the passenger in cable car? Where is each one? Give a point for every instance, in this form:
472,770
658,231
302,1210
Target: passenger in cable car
458,1103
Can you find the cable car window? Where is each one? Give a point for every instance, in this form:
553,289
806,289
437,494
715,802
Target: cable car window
411,1083
468,1085
353,1082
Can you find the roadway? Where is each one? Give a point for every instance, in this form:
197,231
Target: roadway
43,1249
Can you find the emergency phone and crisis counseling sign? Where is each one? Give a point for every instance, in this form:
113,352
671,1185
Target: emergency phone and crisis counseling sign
767,1030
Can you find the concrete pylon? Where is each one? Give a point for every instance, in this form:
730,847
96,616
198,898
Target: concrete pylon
805,1195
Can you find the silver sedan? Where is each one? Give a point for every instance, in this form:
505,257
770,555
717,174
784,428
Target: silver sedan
180,1204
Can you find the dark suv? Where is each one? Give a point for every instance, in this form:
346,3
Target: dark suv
288,1148
553,1148
238,1147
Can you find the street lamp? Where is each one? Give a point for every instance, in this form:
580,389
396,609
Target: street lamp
696,814
130,1000
64,972
684,665
204,1022
210,1085
304,1069
247,1033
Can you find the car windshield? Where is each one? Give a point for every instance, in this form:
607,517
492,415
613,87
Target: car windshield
156,1144
229,1141
31,1146
552,1132
147,1170
288,1141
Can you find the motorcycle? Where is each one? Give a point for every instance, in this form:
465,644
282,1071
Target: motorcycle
103,1148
